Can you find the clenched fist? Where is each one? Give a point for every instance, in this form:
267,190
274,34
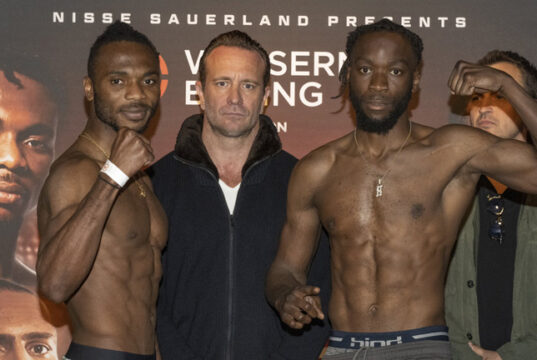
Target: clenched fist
131,151
468,79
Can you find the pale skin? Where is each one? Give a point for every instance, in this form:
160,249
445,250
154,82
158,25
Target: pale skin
232,98
493,113
100,245
485,354
389,255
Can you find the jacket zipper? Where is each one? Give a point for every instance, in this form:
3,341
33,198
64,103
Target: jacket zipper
229,343
229,337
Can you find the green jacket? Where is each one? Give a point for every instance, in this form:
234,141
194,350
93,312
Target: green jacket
461,297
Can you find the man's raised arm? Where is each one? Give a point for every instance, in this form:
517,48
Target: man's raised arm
73,209
511,162
467,79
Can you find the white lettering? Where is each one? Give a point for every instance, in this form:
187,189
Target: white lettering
154,19
283,20
277,63
317,96
355,342
305,95
245,21
332,20
369,20
191,96
296,63
425,21
405,21
89,18
277,89
174,19
210,19
264,20
192,19
303,20
397,340
58,17
261,20
318,64
374,343
460,22
305,63
281,127
125,17
351,21
194,67
108,18
229,19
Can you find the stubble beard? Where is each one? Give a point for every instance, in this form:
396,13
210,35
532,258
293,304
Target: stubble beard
379,126
217,128
104,114
231,134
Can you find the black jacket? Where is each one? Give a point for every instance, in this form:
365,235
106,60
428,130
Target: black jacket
211,302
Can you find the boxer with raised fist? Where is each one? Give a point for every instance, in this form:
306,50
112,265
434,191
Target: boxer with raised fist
102,229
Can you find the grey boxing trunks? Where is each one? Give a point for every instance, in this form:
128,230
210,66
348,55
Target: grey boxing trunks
424,343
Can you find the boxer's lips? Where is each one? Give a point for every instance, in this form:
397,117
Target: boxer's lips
377,103
135,113
11,193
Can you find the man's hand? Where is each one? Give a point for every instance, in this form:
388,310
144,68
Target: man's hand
131,151
467,79
300,306
485,354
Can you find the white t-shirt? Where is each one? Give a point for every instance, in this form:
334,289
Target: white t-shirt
230,193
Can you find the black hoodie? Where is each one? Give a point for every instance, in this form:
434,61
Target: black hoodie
211,301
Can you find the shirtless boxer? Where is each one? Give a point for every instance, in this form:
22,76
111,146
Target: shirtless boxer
391,195
102,229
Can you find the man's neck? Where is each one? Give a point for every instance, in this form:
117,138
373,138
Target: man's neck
375,145
103,134
229,154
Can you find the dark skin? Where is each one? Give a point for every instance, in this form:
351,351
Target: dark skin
100,246
27,134
389,255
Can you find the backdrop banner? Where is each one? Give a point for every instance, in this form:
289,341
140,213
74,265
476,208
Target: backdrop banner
304,38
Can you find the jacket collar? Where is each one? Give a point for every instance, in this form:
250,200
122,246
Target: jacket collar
190,147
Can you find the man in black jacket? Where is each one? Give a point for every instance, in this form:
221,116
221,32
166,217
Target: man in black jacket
224,190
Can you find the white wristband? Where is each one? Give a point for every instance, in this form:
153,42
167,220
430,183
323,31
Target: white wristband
114,173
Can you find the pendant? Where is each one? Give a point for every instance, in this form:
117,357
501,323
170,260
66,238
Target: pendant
379,188
142,193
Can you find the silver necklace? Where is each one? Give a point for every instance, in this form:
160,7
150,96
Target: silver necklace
380,184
